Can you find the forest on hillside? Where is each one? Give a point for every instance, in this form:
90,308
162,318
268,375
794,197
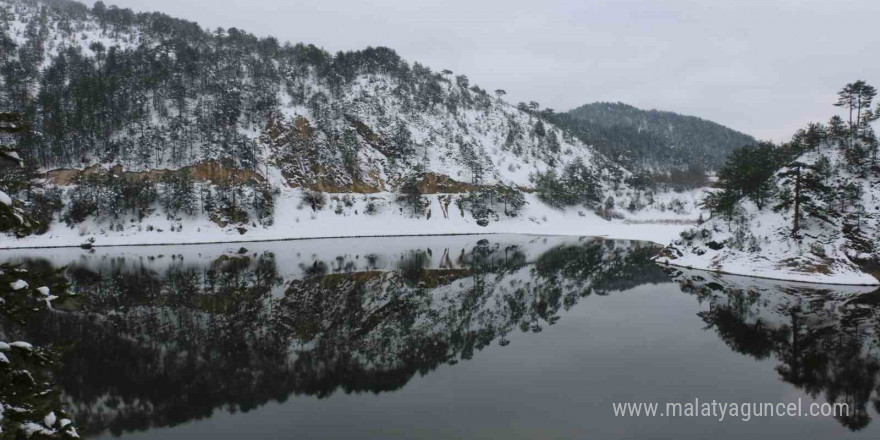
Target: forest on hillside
821,190
150,90
652,140
120,115
159,100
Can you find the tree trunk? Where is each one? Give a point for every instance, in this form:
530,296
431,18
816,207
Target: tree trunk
797,201
852,131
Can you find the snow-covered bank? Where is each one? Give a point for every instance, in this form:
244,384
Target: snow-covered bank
345,216
836,245
769,288
779,259
844,277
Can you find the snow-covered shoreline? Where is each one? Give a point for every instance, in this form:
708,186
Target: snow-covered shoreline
347,219
296,222
759,242
860,279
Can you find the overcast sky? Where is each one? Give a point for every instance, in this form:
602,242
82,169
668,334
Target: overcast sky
762,67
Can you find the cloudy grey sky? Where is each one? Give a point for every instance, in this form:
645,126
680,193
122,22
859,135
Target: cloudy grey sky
762,67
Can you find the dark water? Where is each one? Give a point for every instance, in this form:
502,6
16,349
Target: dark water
499,337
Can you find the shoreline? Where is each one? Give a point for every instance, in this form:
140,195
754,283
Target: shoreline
295,222
330,237
270,240
665,263
764,277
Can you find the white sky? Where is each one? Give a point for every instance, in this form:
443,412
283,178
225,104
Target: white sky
762,67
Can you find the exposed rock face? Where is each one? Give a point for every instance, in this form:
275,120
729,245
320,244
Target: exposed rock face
208,171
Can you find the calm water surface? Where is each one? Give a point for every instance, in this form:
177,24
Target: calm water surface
497,337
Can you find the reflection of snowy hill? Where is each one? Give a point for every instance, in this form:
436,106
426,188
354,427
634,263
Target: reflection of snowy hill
193,331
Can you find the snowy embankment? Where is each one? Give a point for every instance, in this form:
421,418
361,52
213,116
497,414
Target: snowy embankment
345,216
840,272
763,248
759,242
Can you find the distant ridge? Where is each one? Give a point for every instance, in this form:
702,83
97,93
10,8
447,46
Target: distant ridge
652,139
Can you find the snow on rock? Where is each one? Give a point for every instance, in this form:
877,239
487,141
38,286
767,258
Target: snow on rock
3,359
22,345
43,290
18,285
31,428
4,347
5,199
50,419
49,300
13,155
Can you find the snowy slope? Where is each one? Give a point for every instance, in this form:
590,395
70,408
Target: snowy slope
466,131
759,242
300,119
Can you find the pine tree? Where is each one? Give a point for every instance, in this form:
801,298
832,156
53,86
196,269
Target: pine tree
178,192
582,184
837,130
208,203
264,203
864,96
857,98
846,99
804,193
13,219
512,198
550,189
540,131
724,203
747,172
410,192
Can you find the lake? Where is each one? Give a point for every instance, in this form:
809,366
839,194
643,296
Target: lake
484,337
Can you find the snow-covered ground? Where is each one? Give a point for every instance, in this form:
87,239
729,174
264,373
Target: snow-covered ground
759,243
294,220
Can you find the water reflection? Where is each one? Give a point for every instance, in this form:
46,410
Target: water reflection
824,338
157,340
155,337
30,405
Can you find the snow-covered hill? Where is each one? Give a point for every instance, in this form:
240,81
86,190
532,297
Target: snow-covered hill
356,120
653,139
837,241
149,129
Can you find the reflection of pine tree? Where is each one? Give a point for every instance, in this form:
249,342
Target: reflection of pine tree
826,346
410,192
